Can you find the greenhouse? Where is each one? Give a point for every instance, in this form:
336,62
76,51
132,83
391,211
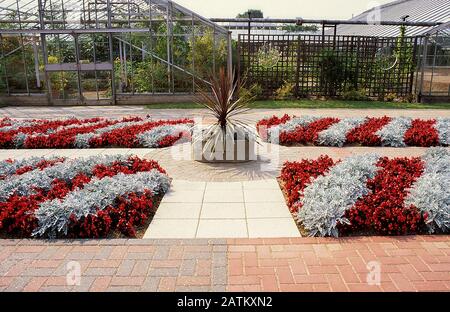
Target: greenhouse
92,52
105,51
433,79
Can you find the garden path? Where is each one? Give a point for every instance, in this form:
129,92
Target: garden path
176,160
223,209
252,116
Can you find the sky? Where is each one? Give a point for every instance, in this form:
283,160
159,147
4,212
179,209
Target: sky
317,9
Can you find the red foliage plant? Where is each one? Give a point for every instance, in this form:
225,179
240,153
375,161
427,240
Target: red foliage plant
265,124
126,137
7,138
64,138
297,175
422,133
307,134
382,211
365,134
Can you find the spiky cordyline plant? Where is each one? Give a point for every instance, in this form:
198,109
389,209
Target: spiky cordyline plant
225,105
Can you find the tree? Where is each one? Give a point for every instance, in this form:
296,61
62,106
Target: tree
201,53
180,44
299,28
253,14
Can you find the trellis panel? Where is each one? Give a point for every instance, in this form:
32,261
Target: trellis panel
377,65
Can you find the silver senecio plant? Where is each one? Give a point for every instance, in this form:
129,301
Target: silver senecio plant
442,126
336,135
394,132
25,184
326,200
431,192
152,137
54,216
8,168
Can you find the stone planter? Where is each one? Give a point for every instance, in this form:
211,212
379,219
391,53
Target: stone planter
240,149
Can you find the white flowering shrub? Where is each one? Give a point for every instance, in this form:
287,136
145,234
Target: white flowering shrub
327,198
431,192
268,56
394,132
336,135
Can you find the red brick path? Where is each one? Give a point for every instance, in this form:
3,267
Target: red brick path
416,263
320,264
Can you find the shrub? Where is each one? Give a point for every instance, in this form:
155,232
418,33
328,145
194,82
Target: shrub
390,97
355,95
285,92
254,92
333,71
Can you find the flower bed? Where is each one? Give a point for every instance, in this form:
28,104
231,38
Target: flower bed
81,198
368,194
384,131
95,132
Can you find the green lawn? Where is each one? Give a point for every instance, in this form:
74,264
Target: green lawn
317,104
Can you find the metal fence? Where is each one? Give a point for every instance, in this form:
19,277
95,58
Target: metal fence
328,65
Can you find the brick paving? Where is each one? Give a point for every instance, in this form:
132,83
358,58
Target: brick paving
413,263
114,265
320,264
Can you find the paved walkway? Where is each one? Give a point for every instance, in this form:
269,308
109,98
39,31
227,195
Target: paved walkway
177,161
297,264
252,116
223,209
